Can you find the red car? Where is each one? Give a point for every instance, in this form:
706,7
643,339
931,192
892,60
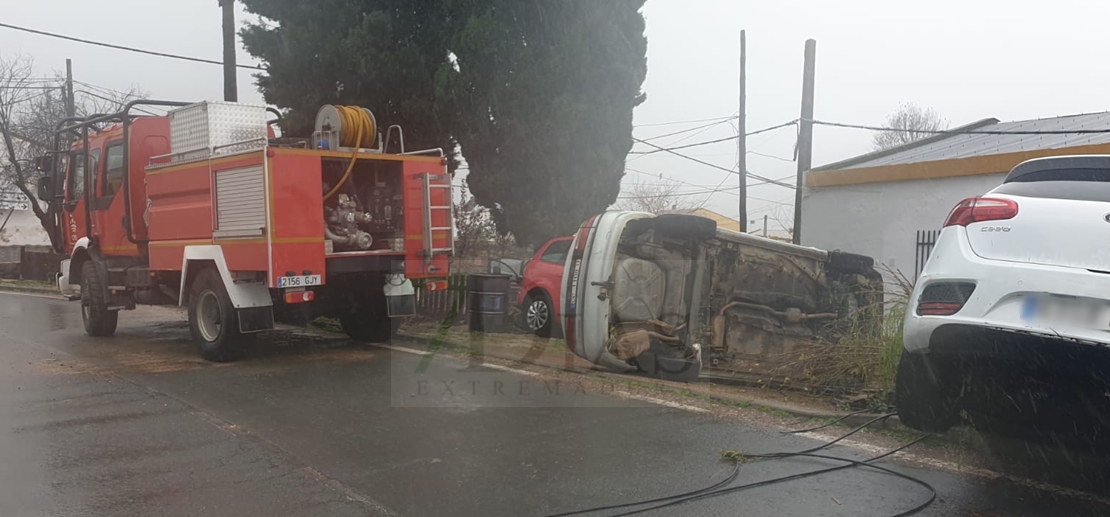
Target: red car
539,289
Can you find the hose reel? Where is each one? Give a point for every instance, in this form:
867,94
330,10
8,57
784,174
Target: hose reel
353,127
345,126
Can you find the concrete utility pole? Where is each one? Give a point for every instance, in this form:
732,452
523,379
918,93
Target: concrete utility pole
741,141
805,133
231,90
764,225
70,104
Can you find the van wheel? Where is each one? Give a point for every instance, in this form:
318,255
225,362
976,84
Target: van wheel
924,402
844,263
98,320
213,322
685,225
538,313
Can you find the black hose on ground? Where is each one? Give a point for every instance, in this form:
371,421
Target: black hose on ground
719,488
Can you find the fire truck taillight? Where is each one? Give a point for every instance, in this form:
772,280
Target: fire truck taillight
300,297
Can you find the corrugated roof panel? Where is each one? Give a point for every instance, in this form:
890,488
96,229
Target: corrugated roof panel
968,145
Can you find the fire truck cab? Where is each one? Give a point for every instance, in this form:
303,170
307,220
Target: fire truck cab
203,207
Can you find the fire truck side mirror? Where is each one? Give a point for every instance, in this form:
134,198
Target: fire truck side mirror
44,163
46,189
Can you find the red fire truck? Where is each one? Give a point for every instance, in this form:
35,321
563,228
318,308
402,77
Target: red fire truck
203,207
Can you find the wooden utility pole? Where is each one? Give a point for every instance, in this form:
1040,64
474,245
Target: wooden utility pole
70,104
805,133
741,141
231,90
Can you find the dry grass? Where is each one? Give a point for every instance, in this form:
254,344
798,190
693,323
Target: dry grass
864,357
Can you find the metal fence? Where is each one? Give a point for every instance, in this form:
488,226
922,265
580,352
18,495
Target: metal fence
28,262
438,303
926,239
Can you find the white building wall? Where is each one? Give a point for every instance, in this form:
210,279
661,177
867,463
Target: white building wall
21,229
881,220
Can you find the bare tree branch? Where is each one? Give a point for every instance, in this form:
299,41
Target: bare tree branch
29,112
15,77
908,116
658,198
474,229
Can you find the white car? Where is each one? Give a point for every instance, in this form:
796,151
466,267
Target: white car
1009,323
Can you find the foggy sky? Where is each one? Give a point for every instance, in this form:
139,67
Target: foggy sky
966,59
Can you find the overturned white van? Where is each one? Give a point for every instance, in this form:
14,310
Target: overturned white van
672,295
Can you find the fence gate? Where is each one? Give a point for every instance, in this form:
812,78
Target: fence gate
926,239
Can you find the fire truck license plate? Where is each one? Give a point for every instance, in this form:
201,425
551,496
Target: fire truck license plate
298,281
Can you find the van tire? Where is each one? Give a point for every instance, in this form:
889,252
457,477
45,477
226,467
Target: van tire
98,320
843,263
685,225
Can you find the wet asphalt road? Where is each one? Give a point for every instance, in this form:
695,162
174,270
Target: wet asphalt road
138,425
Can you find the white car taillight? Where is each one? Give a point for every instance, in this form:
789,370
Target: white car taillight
977,209
944,299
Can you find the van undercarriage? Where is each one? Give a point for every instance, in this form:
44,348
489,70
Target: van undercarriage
683,300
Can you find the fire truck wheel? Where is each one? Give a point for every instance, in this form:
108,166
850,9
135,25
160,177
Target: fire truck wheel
370,326
98,320
213,322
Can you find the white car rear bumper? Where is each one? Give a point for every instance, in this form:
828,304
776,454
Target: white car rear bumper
1001,288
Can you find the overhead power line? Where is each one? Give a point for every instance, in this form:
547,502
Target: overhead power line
29,87
708,142
718,167
717,123
772,128
676,194
106,90
728,190
730,117
779,158
966,131
696,144
121,47
784,178
117,102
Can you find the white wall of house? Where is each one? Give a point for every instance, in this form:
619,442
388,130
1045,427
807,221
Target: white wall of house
22,229
881,220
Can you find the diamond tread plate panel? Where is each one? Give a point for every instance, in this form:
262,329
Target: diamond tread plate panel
197,128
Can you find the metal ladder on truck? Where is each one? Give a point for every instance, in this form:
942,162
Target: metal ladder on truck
429,248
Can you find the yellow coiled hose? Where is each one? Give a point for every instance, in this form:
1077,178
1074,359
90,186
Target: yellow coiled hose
358,131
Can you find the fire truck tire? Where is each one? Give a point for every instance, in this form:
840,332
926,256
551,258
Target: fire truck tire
213,322
98,320
370,327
